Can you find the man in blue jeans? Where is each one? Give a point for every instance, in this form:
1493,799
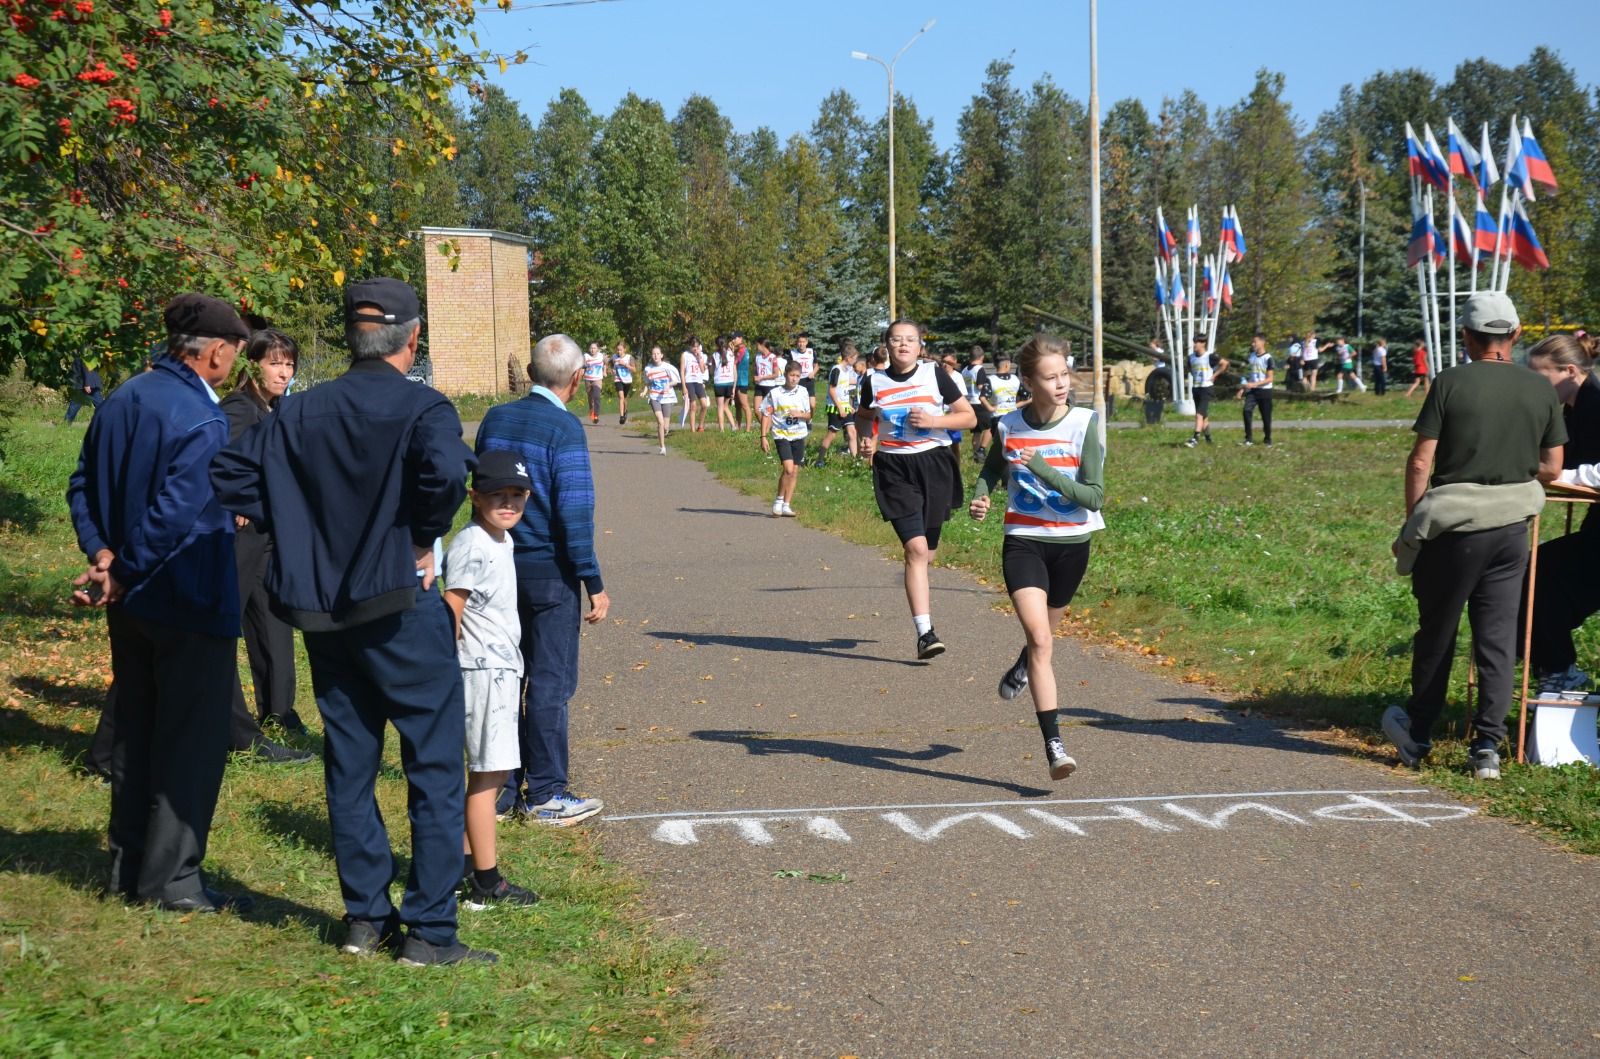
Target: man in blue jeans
355,479
554,555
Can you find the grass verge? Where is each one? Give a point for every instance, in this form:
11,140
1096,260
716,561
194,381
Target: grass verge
582,973
1262,571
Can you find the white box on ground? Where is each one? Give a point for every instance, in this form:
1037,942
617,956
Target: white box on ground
1564,732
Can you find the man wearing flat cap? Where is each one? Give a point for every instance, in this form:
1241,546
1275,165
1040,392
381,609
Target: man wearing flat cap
160,550
1489,434
355,479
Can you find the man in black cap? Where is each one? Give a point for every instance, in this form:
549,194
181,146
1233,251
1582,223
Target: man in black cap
356,479
1489,433
160,550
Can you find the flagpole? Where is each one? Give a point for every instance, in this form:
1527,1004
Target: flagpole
1505,189
1450,197
1433,290
1511,218
1194,256
1094,217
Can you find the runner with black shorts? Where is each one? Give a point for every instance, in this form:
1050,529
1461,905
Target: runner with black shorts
1203,371
622,376
915,405
724,376
975,378
843,385
694,367
768,372
803,355
1051,459
1001,391
786,415
1258,389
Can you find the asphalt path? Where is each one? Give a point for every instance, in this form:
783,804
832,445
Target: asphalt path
875,853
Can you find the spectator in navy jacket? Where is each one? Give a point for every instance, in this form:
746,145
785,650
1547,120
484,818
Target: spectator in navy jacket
160,550
355,479
554,554
85,387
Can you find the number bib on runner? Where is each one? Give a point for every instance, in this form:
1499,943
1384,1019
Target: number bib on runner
893,401
1034,509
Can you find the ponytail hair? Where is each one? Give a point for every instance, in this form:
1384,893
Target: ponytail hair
1041,345
1565,351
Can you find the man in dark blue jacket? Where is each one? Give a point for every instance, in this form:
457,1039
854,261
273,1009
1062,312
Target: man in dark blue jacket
356,479
85,387
160,552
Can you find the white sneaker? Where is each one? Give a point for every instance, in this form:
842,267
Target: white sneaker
663,450
788,512
777,507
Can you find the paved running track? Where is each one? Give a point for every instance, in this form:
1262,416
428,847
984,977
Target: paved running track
875,851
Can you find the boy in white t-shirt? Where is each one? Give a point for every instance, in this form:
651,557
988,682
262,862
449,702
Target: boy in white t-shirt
786,414
482,595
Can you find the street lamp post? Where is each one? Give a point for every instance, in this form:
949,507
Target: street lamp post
1361,262
888,68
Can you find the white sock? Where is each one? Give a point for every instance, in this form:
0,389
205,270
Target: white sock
923,622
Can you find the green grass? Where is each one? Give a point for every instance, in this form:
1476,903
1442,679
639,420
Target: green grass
1264,572
1392,405
582,973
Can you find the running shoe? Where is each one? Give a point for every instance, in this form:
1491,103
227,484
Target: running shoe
1247,443
929,646
1192,442
503,892
1570,685
594,418
777,508
788,512
1208,437
1486,763
565,809
1015,681
364,938
663,450
1397,726
1061,763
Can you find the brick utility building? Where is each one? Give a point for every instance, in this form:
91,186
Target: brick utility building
477,313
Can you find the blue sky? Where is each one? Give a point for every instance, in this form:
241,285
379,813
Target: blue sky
771,63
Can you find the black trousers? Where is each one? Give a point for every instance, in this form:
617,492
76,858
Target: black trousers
243,731
1380,381
268,639
1567,593
1262,399
167,754
1482,572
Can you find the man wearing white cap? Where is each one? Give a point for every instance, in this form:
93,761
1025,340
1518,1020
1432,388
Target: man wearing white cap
1489,433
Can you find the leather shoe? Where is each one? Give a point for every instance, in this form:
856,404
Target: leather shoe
208,901
278,754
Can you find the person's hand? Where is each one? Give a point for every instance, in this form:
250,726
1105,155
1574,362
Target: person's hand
764,446
240,522
424,557
979,508
921,417
95,587
88,390
599,606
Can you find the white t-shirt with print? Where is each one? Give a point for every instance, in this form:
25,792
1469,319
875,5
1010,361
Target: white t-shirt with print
783,404
491,631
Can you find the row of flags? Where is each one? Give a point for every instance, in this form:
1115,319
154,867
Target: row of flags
1231,239
1208,271
1511,236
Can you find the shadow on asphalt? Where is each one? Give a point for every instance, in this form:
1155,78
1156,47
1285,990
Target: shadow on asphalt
1229,725
838,647
873,757
722,511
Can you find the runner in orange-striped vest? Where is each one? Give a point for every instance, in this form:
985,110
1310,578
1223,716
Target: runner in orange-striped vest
1050,456
914,474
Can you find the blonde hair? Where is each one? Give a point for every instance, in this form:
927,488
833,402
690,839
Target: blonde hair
1038,347
1564,351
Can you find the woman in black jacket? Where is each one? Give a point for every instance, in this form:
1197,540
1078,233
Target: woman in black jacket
273,357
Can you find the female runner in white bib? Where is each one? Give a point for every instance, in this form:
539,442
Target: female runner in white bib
1050,456
915,477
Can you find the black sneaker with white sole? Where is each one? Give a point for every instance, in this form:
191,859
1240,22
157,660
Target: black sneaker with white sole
503,892
364,938
1015,681
929,646
1486,763
1397,726
1061,763
419,953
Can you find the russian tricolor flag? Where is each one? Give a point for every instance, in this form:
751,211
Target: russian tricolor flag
1205,286
1193,236
1232,235
1488,174
1161,287
1463,234
1533,158
1516,165
1438,170
1464,160
1165,243
1484,230
1524,245
1424,240
1178,299
1227,289
1416,164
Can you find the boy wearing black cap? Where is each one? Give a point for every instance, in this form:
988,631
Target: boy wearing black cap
482,596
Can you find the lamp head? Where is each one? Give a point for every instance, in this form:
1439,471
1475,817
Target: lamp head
927,25
859,55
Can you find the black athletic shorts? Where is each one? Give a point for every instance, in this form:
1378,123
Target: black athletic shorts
724,389
837,422
624,389
791,450
1202,400
985,417
809,385
697,391
761,392
916,491
1055,566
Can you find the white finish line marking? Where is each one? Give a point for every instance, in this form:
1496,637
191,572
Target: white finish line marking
1161,813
